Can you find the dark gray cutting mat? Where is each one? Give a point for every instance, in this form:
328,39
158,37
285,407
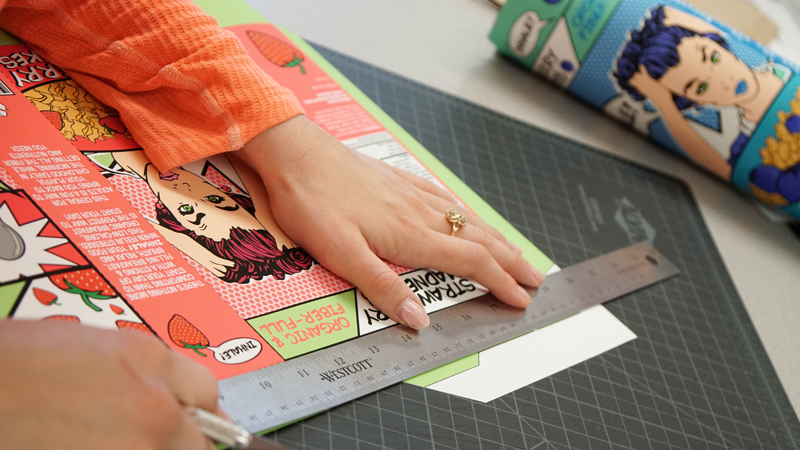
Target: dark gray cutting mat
696,378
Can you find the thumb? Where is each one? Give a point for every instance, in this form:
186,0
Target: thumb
381,285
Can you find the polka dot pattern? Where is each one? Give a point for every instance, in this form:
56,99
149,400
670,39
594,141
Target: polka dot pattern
257,297
5,177
217,179
138,193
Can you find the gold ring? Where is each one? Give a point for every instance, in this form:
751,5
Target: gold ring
456,220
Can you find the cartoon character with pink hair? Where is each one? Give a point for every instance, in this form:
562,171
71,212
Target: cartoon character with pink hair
222,231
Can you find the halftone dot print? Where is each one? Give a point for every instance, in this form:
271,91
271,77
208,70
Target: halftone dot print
138,193
219,180
6,178
259,297
256,297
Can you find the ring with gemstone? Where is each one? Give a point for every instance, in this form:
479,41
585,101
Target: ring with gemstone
456,220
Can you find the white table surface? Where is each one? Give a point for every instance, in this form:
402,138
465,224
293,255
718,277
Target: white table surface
444,44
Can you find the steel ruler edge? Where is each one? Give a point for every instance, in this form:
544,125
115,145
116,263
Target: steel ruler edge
303,386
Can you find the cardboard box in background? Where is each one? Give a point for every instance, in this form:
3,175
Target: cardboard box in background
741,15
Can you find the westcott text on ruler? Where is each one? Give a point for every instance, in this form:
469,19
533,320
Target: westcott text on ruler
303,386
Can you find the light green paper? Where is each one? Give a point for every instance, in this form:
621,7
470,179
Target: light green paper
8,297
230,13
446,371
304,328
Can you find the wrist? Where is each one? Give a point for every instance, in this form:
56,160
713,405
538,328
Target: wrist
290,152
278,147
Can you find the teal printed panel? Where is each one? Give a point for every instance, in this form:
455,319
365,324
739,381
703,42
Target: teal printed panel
675,75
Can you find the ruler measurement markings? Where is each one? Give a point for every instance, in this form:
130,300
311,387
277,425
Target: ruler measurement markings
302,386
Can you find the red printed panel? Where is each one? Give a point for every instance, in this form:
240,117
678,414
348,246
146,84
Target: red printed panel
132,256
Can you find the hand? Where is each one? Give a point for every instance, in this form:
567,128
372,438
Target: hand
349,211
651,88
68,386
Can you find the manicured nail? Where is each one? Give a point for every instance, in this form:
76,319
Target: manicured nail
413,314
513,246
537,274
524,297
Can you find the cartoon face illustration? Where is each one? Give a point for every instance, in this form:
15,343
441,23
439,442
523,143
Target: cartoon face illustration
682,57
200,207
676,61
708,73
222,231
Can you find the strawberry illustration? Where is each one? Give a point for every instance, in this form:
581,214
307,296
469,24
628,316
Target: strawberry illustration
113,124
46,298
280,52
133,326
87,283
117,310
63,318
54,117
186,335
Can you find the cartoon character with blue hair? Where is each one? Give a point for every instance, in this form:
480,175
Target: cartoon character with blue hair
678,61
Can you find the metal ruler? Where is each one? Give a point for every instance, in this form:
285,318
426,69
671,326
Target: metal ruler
303,386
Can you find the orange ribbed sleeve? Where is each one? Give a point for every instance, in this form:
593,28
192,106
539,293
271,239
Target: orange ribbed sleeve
185,88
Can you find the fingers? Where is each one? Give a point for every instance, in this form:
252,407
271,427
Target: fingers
192,383
469,259
436,203
511,261
424,185
174,381
506,254
188,436
380,284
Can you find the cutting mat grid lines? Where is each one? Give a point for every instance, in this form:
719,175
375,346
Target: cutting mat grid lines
696,378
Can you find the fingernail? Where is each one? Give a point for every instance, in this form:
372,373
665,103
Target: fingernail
513,246
413,314
524,296
537,274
